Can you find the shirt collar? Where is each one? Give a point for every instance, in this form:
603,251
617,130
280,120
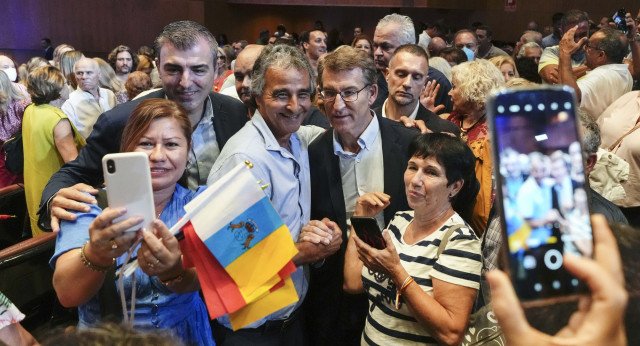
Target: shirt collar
412,115
270,141
365,141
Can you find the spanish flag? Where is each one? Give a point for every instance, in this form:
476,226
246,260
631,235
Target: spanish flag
241,249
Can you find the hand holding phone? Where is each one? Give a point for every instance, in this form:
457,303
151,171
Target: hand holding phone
542,187
128,180
367,229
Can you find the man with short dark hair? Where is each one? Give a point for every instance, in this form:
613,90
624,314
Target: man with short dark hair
314,44
549,61
554,38
430,31
486,49
609,77
467,40
45,43
391,32
187,53
275,143
124,61
406,78
362,153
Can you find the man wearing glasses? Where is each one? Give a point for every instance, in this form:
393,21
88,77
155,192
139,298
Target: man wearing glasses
363,153
609,77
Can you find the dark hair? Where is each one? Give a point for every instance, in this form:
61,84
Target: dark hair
412,49
145,113
458,162
556,19
113,56
47,40
528,69
457,55
487,29
573,17
184,35
613,44
44,84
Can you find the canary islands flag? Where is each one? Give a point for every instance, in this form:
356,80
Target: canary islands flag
241,248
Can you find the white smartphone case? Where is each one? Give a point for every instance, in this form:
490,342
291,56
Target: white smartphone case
129,186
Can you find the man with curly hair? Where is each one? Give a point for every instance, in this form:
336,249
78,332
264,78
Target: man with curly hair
124,61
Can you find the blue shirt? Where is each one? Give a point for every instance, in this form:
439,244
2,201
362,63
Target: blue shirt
156,305
287,174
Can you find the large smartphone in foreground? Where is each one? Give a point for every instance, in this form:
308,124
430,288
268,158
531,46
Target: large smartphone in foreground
367,229
128,180
537,153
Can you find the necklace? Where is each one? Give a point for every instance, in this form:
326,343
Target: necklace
463,131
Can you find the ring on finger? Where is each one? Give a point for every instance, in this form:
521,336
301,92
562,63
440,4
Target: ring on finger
114,245
150,265
157,261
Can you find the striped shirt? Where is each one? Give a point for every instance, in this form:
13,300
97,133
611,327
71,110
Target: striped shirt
460,263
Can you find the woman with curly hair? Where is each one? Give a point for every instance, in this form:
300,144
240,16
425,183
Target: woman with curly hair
471,84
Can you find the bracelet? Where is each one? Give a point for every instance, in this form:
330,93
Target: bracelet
175,280
406,283
88,264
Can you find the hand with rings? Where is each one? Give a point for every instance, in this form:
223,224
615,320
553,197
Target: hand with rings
109,240
160,255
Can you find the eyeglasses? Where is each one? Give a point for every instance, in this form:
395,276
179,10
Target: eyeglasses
222,57
347,96
588,45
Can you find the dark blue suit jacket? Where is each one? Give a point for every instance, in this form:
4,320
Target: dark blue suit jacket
331,314
229,117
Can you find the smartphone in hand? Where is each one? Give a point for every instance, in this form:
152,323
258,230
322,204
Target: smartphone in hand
541,184
128,180
367,229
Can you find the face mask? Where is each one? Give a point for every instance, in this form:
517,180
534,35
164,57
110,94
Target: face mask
11,73
469,53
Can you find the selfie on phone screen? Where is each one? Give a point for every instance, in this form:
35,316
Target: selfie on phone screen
544,195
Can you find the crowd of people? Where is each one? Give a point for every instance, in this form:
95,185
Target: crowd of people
392,126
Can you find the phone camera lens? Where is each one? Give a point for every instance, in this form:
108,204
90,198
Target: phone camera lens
111,166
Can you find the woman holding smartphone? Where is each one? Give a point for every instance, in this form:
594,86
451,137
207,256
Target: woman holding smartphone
414,295
166,293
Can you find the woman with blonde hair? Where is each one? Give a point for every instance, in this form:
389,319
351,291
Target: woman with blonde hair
507,66
67,61
109,80
49,139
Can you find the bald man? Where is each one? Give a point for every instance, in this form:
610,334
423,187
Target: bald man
89,100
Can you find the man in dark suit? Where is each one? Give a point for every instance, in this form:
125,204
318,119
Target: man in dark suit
187,54
362,154
406,78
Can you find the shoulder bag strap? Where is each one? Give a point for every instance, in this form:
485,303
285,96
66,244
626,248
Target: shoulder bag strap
446,236
623,136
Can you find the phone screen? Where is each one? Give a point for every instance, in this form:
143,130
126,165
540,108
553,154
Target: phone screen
367,229
542,181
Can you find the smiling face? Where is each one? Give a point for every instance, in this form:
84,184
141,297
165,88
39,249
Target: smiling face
317,44
348,118
187,75
426,187
285,101
407,77
124,63
166,145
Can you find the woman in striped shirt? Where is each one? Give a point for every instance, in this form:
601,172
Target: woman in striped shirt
416,297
